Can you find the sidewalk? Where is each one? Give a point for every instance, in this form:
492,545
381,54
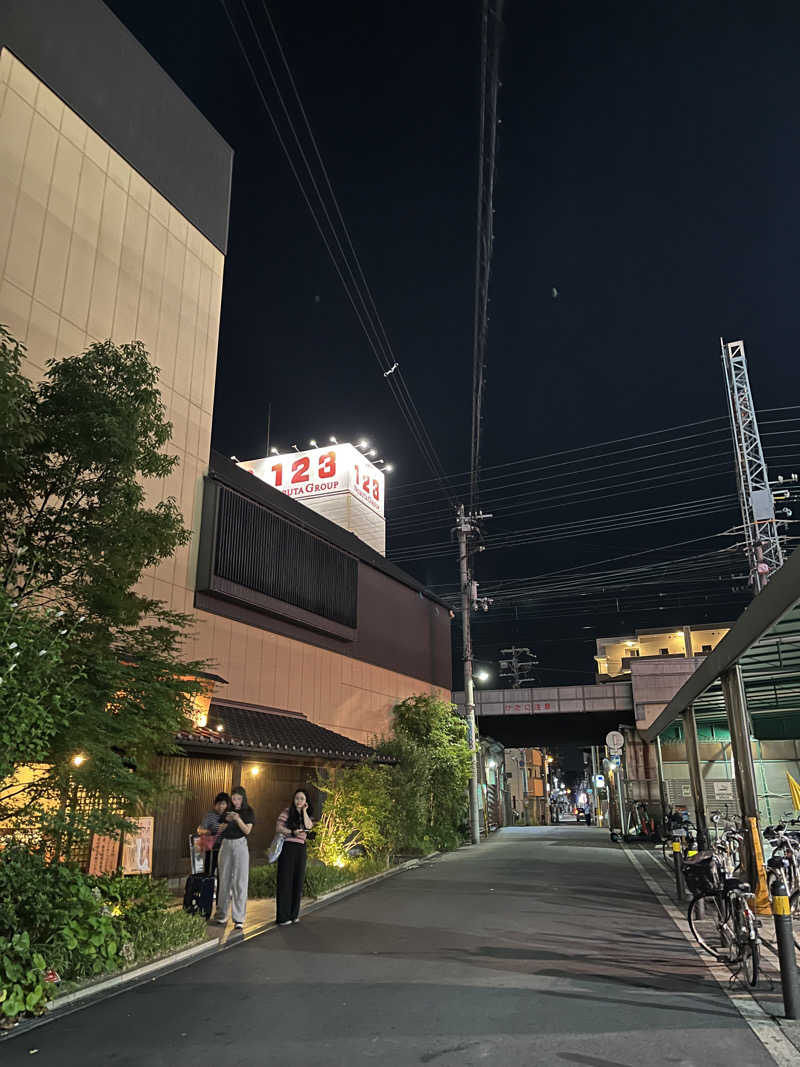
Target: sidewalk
768,993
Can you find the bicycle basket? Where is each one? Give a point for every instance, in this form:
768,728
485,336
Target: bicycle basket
703,873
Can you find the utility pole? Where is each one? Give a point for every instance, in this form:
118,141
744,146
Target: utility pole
517,666
465,529
762,541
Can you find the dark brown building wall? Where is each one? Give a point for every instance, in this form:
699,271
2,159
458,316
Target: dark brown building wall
401,630
195,782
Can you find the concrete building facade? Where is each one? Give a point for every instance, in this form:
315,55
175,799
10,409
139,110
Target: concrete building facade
114,201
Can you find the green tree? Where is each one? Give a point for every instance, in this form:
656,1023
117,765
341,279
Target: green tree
77,534
431,776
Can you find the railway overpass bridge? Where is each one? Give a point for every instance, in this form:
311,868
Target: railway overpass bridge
552,715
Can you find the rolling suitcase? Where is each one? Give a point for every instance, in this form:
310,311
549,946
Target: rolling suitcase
198,894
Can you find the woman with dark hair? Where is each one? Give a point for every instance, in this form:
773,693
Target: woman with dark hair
234,860
294,823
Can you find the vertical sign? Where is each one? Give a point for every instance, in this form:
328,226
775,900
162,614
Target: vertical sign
137,848
104,854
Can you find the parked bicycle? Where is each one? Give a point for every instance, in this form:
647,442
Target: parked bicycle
727,844
679,826
721,915
783,866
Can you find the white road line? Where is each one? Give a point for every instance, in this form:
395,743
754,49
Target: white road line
763,1026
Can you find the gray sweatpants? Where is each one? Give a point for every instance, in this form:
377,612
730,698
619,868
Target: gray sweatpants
234,874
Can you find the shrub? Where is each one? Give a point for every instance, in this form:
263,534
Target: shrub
319,877
54,905
263,881
356,815
54,916
146,922
22,983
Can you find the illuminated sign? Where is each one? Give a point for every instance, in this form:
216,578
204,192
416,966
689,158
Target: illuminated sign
321,472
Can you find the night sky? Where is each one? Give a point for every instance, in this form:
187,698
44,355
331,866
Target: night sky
647,173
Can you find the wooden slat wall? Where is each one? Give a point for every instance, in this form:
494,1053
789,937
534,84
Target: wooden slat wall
196,782
268,792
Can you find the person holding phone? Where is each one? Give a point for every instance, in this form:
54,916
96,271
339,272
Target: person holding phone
294,823
234,860
211,829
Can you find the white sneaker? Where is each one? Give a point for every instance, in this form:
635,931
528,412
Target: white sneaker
287,923
295,920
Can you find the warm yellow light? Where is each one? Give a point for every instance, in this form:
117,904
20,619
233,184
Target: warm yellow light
549,759
76,761
339,862
255,770
220,728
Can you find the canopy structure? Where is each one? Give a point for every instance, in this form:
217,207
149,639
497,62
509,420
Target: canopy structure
752,675
764,644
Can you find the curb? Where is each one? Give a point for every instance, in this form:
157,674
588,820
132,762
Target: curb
120,983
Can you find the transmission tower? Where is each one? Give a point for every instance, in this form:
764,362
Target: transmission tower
520,663
762,542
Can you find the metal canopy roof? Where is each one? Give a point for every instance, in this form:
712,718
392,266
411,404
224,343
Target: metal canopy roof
765,642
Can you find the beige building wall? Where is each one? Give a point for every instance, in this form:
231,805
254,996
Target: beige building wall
611,651
89,250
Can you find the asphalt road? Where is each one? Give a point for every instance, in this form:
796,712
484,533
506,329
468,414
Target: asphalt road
541,947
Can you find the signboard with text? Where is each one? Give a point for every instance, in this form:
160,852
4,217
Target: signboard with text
103,854
528,707
137,848
321,472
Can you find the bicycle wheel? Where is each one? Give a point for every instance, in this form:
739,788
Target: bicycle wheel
709,928
751,961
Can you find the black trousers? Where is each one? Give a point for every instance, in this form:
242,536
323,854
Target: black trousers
291,873
211,862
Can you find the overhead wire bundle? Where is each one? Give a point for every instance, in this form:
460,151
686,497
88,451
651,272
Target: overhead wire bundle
296,138
491,38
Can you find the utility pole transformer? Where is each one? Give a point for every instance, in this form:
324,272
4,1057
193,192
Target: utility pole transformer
762,543
520,663
465,529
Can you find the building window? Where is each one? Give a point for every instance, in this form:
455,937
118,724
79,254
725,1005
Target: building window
706,648
663,651
633,652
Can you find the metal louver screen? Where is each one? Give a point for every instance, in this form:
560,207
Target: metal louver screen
262,551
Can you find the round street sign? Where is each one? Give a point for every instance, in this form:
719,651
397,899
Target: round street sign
614,739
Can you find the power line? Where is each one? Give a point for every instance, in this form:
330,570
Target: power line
491,35
582,528
356,289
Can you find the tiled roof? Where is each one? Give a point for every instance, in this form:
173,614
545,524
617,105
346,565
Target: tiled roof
267,732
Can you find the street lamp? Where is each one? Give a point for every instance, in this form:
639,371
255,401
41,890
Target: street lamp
482,676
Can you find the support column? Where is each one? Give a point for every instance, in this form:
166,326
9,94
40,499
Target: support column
745,774
695,775
687,642
662,787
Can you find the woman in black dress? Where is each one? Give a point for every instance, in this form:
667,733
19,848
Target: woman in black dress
294,823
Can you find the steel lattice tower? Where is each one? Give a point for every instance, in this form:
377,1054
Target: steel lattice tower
762,543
